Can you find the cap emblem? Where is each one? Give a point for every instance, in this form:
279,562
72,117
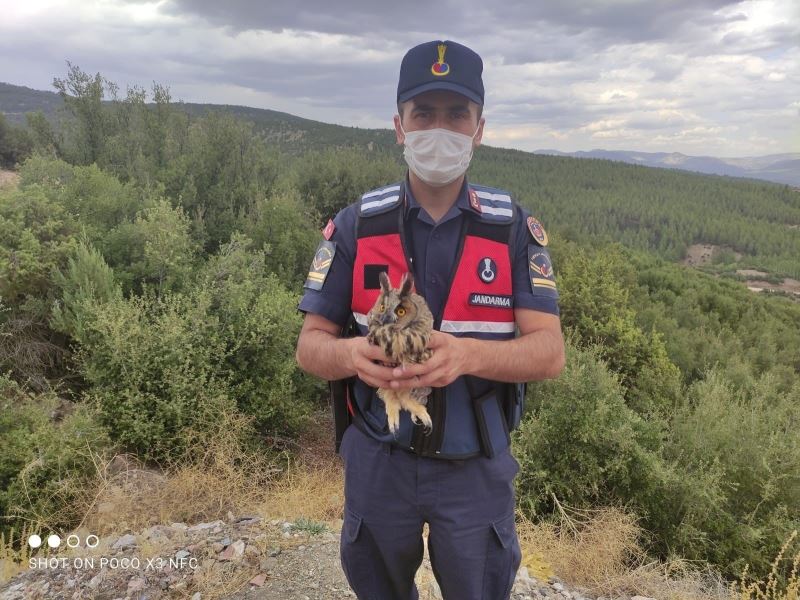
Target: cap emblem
441,68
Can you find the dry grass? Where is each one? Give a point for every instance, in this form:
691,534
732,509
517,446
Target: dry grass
599,551
771,588
222,479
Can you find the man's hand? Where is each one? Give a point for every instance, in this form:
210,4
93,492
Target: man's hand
449,360
362,356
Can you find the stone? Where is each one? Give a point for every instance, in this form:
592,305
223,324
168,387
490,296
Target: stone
259,579
126,541
205,526
233,552
136,584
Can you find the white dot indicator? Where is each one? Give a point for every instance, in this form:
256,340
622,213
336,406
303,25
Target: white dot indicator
53,540
34,541
92,540
73,541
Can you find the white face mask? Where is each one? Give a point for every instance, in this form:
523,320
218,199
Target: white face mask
438,156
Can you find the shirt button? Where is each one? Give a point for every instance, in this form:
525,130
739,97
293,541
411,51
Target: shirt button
436,236
433,280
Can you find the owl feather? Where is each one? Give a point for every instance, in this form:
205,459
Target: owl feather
401,323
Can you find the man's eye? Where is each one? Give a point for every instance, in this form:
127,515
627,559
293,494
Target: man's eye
400,311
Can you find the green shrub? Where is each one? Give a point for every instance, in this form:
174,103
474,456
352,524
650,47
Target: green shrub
579,441
154,367
748,437
47,467
261,323
281,226
163,368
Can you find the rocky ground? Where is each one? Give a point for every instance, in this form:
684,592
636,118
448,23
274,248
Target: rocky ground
242,558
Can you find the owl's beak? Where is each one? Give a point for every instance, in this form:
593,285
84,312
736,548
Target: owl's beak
386,318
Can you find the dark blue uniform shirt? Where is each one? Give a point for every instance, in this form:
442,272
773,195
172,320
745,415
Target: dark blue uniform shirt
434,248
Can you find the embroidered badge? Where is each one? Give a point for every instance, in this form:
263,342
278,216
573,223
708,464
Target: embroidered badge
540,270
440,68
494,300
320,265
473,200
487,270
329,229
537,231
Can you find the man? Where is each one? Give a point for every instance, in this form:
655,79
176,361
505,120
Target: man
481,263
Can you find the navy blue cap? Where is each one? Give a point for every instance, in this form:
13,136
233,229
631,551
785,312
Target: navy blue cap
441,65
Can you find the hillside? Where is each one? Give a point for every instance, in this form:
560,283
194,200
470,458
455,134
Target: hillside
296,134
778,168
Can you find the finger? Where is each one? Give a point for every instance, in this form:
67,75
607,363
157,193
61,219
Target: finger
407,371
437,339
367,368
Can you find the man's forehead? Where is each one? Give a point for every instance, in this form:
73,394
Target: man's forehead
439,99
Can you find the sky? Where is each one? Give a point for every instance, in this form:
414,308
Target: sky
701,77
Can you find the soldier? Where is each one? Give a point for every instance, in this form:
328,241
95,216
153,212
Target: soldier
481,263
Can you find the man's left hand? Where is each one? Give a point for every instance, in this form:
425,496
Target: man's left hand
449,360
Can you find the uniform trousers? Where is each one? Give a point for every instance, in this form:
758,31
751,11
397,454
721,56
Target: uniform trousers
468,505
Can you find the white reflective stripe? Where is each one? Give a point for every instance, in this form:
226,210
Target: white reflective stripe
494,197
360,318
505,212
376,203
392,188
478,326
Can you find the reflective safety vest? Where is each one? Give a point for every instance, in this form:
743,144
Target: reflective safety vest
472,415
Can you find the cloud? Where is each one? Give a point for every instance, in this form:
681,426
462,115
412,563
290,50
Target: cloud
658,75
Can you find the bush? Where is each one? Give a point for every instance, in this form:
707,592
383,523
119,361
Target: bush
748,438
162,366
46,465
580,442
261,323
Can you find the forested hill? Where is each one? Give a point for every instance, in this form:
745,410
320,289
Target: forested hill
653,209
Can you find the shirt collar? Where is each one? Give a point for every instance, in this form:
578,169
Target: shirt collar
462,202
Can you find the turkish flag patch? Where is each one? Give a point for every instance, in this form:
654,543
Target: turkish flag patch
329,229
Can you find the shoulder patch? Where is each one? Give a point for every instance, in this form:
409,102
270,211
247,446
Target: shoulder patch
537,231
379,201
320,266
493,205
540,270
329,229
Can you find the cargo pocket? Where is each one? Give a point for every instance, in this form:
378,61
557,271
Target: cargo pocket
492,425
355,554
503,557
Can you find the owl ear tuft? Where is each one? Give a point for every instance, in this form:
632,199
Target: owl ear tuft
406,284
386,285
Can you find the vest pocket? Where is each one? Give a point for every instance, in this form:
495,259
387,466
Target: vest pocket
492,425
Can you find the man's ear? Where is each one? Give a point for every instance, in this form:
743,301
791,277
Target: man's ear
397,131
479,134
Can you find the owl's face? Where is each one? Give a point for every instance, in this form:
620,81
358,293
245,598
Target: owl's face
394,307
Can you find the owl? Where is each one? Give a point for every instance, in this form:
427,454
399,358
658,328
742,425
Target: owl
400,323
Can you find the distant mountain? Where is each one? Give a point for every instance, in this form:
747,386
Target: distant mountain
780,168
296,134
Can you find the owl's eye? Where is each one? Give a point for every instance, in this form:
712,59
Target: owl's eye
381,308
400,311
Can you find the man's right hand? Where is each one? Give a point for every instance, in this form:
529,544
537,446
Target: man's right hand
362,360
